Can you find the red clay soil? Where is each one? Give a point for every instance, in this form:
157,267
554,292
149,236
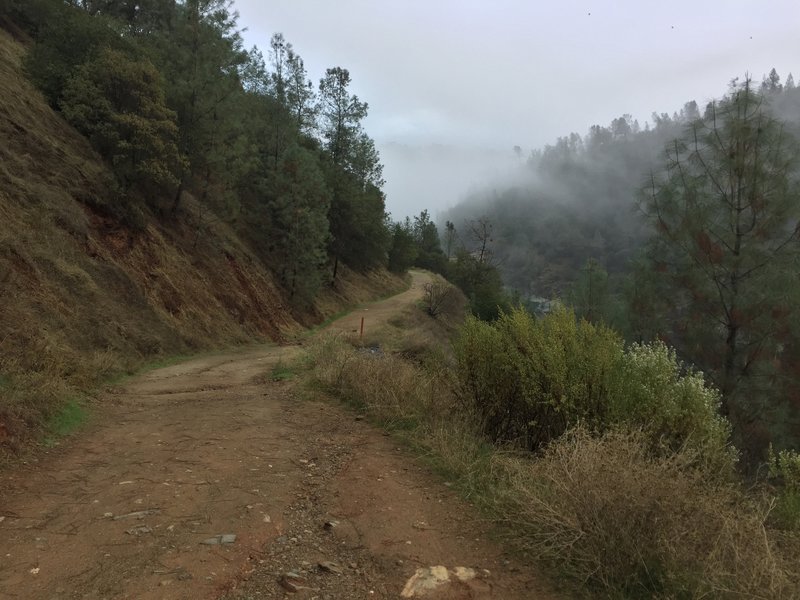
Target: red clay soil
213,447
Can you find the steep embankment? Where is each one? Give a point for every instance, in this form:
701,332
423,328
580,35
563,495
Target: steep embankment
83,297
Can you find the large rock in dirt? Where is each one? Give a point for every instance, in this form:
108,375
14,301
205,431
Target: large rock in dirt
439,581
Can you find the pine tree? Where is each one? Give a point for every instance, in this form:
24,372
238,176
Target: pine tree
300,223
726,215
118,103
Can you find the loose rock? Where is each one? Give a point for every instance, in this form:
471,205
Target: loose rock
426,580
292,582
140,530
139,514
223,538
330,567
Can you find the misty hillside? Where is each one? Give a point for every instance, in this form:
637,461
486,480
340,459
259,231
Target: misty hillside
576,199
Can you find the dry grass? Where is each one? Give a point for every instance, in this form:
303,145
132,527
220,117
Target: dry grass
612,515
390,388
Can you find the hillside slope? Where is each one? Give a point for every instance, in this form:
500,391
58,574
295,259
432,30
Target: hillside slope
83,297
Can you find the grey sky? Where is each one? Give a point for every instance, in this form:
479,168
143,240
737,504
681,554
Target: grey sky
453,85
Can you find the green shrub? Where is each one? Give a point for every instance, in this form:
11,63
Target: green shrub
673,405
118,103
784,470
531,380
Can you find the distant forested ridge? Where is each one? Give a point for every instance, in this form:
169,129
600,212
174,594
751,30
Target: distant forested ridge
171,99
576,199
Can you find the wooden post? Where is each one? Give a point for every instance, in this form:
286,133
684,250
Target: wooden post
361,335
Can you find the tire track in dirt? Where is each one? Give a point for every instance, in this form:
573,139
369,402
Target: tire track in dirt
210,447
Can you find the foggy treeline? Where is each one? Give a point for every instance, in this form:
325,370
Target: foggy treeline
576,199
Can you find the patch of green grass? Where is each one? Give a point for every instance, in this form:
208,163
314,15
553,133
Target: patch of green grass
786,514
66,421
282,372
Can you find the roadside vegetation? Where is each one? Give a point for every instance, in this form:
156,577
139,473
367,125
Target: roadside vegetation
607,461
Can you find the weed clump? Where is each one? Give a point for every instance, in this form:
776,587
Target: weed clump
625,521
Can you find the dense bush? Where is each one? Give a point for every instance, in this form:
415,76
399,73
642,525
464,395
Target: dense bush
532,380
633,511
118,103
655,392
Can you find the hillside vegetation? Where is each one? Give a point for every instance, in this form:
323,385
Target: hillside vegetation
86,295
608,463
686,231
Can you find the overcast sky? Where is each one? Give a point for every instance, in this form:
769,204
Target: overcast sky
453,85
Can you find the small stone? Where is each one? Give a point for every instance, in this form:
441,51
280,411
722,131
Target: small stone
165,582
139,514
330,567
464,573
425,580
224,538
292,581
140,530
331,524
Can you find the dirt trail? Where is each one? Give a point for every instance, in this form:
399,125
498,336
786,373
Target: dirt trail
213,447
